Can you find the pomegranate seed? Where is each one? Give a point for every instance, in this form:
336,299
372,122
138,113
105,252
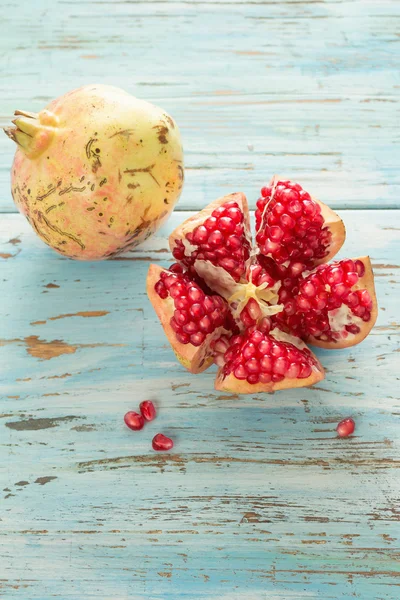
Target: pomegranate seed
276,233
183,338
265,191
147,410
200,235
360,269
197,338
227,263
196,311
280,365
351,279
161,443
205,324
253,308
365,298
249,351
252,366
194,294
210,223
226,224
346,427
176,268
265,378
305,371
235,214
240,372
352,328
253,378
133,420
216,238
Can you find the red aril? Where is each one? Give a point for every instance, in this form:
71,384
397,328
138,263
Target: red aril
133,420
346,427
251,310
147,410
162,443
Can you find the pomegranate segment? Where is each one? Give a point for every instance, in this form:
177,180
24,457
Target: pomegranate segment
252,310
334,306
190,317
259,362
292,227
219,236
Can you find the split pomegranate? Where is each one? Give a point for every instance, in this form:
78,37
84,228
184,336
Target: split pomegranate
251,309
147,410
161,443
134,421
346,427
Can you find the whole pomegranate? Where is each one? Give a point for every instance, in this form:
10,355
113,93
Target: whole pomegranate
97,171
251,309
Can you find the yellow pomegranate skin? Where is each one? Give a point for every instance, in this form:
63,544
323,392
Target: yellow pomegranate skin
97,171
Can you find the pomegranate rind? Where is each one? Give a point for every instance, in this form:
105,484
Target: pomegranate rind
365,282
191,357
216,277
331,220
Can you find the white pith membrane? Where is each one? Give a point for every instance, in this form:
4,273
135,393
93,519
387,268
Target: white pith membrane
238,294
265,298
339,318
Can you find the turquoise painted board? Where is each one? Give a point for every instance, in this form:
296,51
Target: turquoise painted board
258,499
309,88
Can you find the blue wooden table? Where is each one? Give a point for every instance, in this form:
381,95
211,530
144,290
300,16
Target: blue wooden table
259,499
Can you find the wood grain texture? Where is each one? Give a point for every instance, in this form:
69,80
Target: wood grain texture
304,87
258,500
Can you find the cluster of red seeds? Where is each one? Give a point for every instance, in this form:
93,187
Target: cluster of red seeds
220,239
308,300
259,358
292,227
136,421
196,313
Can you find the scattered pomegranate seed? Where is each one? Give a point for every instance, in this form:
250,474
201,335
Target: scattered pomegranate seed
345,427
133,420
161,443
148,410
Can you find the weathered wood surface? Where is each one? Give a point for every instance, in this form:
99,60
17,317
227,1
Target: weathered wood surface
305,87
258,500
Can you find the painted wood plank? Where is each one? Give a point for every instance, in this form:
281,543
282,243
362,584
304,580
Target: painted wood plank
304,88
259,499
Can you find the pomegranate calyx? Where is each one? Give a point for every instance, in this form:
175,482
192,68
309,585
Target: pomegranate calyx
33,132
266,297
